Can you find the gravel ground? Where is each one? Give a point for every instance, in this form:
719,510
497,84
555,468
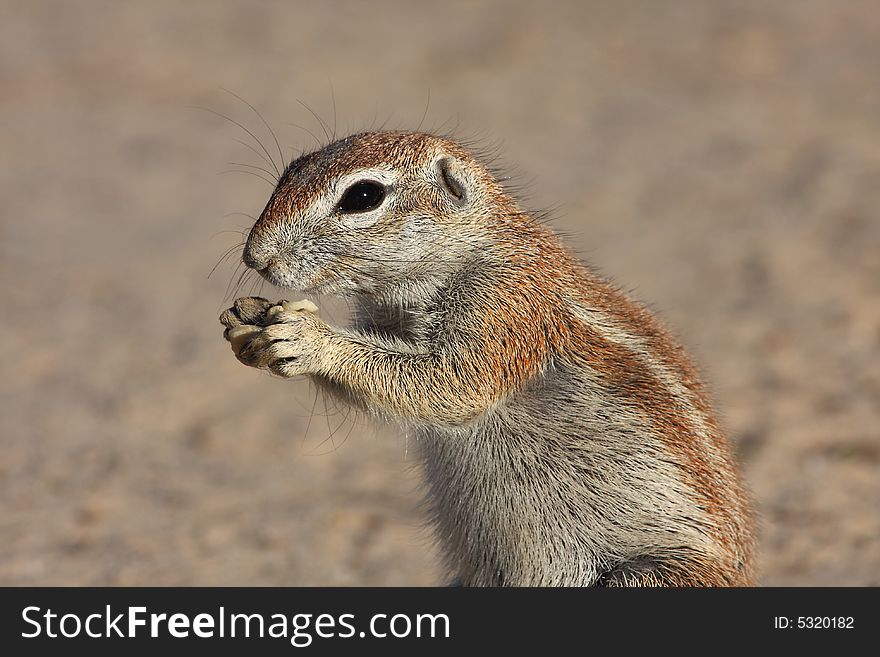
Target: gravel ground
721,160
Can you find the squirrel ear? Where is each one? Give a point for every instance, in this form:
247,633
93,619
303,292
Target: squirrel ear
451,178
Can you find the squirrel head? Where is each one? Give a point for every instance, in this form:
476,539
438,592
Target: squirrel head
374,213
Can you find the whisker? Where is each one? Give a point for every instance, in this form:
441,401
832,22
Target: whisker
387,120
254,150
234,122
425,113
324,127
333,100
265,123
229,252
252,166
240,214
313,135
229,285
257,282
372,124
248,280
253,173
226,232
238,282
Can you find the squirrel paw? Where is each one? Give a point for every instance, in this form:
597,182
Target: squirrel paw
285,337
246,310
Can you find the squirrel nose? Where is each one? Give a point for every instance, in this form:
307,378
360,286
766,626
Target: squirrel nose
259,259
257,254
254,260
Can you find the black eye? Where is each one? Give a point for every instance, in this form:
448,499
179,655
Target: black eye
361,197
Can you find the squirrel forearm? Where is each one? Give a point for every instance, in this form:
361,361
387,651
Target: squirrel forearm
440,386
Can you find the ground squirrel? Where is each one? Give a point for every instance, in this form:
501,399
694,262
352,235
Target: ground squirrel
565,436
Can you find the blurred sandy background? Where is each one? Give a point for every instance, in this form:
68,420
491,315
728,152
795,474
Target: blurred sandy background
720,159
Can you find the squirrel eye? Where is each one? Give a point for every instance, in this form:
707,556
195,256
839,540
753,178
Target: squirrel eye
361,197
